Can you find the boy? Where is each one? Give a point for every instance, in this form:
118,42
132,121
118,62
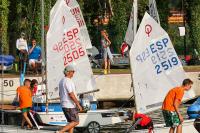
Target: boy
24,95
172,116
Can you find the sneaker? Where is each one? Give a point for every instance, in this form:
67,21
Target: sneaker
105,71
109,71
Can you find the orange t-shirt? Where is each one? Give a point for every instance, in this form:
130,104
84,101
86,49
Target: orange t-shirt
25,96
175,93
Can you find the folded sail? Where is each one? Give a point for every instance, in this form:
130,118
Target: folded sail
65,46
155,66
153,12
132,26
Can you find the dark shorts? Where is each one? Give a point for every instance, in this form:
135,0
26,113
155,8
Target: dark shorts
25,109
71,114
197,124
171,118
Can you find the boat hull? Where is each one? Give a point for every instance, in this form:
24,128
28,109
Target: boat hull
102,117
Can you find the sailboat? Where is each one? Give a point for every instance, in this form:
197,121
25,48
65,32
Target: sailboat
67,40
156,68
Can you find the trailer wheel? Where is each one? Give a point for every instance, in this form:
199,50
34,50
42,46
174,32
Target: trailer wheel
93,127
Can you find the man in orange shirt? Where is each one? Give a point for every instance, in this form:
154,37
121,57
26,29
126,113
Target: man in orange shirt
170,109
25,101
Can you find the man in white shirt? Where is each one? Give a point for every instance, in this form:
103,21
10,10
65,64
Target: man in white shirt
22,50
68,99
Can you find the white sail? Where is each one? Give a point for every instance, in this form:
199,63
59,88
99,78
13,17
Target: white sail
130,30
54,9
64,47
132,25
153,10
155,66
76,12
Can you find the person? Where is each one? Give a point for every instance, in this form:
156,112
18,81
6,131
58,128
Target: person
24,95
124,49
22,51
34,86
107,55
34,55
68,99
141,121
170,106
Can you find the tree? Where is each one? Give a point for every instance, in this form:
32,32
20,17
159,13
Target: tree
4,25
193,18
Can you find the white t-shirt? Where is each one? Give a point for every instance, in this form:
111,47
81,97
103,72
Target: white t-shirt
21,44
66,86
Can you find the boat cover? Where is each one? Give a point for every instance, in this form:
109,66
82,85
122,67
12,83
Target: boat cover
6,60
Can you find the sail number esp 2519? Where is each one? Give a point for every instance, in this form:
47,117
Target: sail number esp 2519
161,55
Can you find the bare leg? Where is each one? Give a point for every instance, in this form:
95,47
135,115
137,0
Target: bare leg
69,127
108,65
71,130
105,66
23,122
179,129
27,119
33,65
171,130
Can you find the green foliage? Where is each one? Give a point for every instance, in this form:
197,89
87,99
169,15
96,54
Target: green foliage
4,25
193,17
25,16
163,11
119,22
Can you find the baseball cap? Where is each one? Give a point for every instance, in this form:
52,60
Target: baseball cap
69,68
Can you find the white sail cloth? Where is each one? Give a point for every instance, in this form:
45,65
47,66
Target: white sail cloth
155,66
75,10
65,46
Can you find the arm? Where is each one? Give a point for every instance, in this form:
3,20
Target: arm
26,46
72,96
40,57
17,42
176,105
107,39
31,49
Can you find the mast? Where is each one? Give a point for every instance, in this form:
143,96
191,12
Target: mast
135,12
2,87
135,4
43,49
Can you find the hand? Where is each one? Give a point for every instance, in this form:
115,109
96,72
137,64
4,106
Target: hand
80,108
181,118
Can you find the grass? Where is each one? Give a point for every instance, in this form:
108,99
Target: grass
128,71
113,71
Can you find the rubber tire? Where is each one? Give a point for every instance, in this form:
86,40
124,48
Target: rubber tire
93,127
